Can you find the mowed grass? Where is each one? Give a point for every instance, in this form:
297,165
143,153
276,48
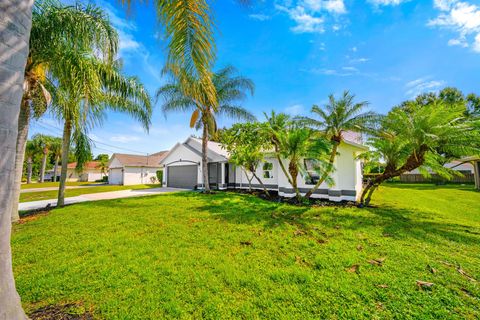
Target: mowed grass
36,185
223,256
52,194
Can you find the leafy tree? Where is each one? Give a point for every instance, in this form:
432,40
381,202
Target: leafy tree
31,150
102,157
337,117
421,138
246,144
294,143
186,93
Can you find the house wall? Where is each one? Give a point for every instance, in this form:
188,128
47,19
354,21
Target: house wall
347,178
139,175
87,175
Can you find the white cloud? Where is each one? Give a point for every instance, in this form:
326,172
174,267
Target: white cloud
387,2
259,17
359,60
462,18
343,72
294,110
423,85
124,138
310,15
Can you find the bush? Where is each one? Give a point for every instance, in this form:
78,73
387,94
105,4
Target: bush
160,177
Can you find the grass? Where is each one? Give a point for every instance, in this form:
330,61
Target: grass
52,194
188,255
36,185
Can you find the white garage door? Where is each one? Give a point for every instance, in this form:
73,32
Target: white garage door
115,176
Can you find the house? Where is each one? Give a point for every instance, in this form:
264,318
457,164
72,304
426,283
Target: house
91,172
183,170
131,169
466,168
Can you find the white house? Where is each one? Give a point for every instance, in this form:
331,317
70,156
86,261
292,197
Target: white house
90,172
131,169
183,170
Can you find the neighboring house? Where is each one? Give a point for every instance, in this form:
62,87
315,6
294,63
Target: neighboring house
475,162
184,170
131,169
461,166
91,172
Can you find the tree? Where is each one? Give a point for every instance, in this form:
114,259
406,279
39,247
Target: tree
56,151
30,151
44,143
295,143
337,117
421,138
102,157
246,144
186,93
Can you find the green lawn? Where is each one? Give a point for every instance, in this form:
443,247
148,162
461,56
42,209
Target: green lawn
36,185
52,194
188,255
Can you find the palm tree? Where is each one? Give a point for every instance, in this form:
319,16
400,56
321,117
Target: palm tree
294,143
422,138
31,150
44,143
184,93
56,151
337,117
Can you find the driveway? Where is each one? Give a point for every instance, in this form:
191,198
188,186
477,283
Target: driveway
25,206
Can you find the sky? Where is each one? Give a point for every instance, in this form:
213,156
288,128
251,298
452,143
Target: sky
297,52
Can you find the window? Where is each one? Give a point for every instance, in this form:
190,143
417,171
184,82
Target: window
311,176
268,170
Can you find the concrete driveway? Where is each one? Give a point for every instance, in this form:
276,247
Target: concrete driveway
33,205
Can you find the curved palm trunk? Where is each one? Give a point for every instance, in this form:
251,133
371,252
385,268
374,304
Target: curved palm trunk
206,183
327,172
43,165
23,123
293,170
16,20
67,133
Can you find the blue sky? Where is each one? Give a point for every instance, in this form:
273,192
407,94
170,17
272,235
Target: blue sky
299,52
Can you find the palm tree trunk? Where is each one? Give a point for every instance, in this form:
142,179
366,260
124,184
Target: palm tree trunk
23,123
293,169
55,169
29,170
67,132
15,21
206,183
43,165
326,173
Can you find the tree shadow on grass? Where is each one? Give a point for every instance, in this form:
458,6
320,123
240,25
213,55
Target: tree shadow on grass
397,223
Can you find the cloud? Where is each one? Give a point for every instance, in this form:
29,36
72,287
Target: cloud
259,17
294,110
387,2
423,85
346,71
462,18
359,60
124,138
310,15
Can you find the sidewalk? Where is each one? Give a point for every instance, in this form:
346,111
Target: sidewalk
24,206
56,188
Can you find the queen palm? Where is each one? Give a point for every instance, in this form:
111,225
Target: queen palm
44,143
56,152
31,150
337,117
186,94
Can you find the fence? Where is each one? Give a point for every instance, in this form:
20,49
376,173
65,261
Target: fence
435,178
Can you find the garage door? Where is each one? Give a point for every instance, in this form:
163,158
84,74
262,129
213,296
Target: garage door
115,176
182,176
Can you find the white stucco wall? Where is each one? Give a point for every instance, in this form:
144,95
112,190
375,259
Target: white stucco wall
182,156
115,176
139,175
87,175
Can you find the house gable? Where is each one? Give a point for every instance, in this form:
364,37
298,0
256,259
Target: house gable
182,154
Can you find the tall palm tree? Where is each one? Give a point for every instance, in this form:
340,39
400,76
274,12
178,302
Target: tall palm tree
31,150
186,94
337,117
56,151
44,143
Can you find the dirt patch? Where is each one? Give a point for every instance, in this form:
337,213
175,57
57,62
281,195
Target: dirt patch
69,311
33,215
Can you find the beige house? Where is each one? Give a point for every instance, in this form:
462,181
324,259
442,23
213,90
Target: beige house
91,172
131,169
